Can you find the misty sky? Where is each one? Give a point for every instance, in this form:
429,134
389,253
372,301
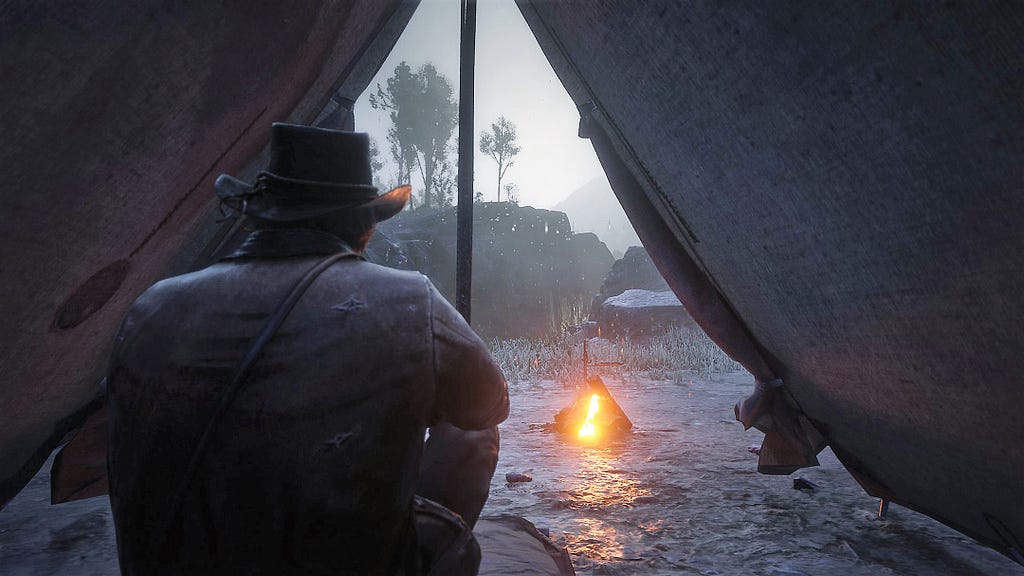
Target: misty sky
514,79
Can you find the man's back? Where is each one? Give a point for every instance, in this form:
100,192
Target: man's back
313,468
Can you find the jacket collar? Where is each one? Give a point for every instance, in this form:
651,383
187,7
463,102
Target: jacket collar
287,242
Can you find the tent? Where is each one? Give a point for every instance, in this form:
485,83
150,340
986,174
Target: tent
833,190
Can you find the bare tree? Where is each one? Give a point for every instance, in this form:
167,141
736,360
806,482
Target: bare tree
500,144
512,193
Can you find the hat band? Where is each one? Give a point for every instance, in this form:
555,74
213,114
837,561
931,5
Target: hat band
280,187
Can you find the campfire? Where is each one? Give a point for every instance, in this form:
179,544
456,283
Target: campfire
595,415
587,429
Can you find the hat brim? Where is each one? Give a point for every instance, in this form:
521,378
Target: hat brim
242,196
387,205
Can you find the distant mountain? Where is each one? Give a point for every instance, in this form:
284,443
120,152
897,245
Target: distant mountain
594,208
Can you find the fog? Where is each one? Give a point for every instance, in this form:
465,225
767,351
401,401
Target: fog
513,79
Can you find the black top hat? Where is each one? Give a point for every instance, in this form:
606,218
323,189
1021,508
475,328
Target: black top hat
312,172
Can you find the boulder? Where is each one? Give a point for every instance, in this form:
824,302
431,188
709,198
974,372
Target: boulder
635,301
634,270
641,313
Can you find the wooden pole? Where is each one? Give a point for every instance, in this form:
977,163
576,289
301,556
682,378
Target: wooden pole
464,245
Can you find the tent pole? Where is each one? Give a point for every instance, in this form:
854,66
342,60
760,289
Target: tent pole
464,246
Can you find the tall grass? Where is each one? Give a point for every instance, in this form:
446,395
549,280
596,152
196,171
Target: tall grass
666,356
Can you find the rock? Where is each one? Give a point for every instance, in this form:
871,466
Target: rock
641,313
634,270
516,478
803,484
531,274
635,300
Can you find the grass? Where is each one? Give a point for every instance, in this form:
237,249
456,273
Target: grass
668,356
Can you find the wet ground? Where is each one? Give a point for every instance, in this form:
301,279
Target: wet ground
679,495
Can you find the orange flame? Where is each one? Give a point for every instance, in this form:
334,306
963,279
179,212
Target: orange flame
587,429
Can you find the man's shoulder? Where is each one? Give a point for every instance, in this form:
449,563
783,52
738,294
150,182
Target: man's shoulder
228,281
182,284
384,273
376,278
170,298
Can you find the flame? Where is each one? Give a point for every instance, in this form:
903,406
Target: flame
587,429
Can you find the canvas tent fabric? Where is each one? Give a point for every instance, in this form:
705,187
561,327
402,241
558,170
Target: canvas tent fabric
835,190
119,117
847,178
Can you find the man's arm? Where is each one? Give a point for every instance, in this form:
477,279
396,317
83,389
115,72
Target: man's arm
470,388
457,467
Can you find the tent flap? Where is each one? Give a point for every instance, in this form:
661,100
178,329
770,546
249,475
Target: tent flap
848,178
120,116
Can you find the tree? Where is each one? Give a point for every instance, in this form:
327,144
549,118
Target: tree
512,193
500,144
424,114
376,164
399,99
444,184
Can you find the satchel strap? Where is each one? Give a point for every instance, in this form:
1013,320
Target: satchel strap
238,379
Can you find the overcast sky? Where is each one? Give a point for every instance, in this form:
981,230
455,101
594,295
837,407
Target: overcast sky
513,79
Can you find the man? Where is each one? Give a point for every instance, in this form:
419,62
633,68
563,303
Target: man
307,461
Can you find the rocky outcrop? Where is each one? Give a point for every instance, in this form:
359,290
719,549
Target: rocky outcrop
635,301
531,273
634,270
641,313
